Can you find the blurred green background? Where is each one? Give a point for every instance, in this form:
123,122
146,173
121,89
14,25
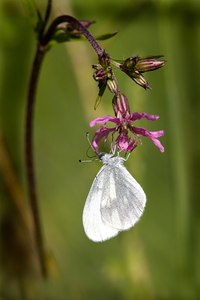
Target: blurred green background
160,257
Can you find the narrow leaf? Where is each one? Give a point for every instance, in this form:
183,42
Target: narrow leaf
100,94
105,36
33,13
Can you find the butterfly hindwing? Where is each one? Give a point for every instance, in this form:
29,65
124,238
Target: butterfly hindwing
94,227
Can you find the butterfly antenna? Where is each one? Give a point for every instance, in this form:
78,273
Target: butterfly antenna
88,138
91,146
85,161
92,158
88,160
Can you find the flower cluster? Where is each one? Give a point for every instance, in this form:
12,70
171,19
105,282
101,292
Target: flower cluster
125,135
134,66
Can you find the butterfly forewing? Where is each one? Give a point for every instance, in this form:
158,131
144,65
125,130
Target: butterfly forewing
123,200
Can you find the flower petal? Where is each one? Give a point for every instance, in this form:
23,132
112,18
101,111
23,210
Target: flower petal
137,116
158,144
101,133
122,141
153,135
103,120
132,145
124,144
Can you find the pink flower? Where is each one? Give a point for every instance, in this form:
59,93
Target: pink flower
127,134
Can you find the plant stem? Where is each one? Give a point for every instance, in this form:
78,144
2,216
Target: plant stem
69,19
41,48
48,11
46,18
30,159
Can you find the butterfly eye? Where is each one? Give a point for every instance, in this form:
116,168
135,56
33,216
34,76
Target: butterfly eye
101,154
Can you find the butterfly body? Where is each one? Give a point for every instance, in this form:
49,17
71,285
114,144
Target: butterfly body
115,201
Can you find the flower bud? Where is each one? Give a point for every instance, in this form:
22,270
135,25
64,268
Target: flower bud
121,106
139,79
149,64
100,73
134,66
105,77
112,85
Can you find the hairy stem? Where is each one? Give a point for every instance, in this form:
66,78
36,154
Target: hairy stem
69,19
30,158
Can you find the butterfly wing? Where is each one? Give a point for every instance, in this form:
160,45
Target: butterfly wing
94,226
123,201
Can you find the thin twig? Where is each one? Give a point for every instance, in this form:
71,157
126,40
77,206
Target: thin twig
30,159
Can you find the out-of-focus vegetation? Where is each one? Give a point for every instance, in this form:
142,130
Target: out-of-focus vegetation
160,257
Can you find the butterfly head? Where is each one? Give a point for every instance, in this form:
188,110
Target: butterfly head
110,159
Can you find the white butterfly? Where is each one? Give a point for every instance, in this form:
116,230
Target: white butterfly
115,201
